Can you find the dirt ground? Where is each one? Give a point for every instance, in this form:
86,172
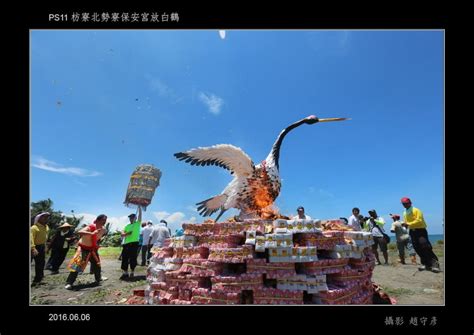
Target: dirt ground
407,284
111,291
403,282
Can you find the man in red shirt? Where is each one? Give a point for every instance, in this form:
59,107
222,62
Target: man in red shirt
87,251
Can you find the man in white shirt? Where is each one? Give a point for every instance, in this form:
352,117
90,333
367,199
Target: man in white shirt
146,248
354,222
301,215
158,236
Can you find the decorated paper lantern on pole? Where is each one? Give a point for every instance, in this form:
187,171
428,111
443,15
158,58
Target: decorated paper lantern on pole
143,183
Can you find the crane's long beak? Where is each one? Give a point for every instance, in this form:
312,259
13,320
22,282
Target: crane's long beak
333,119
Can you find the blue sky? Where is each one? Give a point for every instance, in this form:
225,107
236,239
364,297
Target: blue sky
103,102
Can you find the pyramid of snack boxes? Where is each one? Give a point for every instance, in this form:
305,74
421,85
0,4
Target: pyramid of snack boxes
263,262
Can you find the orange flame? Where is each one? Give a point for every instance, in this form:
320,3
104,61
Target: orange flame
263,198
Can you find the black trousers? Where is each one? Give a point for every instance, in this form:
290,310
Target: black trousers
93,264
73,274
58,255
144,249
146,253
39,263
129,256
423,248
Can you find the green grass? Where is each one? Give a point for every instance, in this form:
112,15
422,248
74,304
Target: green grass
96,297
438,249
108,252
392,246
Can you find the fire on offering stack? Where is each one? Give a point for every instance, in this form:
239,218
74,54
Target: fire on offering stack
261,261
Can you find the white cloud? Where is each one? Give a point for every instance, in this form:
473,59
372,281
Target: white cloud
174,220
44,164
164,91
192,208
176,217
118,223
161,215
222,34
212,101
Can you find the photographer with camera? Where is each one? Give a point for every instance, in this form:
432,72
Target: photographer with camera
375,225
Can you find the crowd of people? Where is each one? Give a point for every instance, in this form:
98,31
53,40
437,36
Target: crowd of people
410,233
136,237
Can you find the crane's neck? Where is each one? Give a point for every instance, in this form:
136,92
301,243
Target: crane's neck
274,155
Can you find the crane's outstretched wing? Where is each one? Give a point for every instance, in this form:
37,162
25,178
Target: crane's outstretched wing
210,206
224,155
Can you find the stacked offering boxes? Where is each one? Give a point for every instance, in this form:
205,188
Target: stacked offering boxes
143,183
293,262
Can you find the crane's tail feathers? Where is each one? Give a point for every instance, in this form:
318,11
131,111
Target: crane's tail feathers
210,206
223,210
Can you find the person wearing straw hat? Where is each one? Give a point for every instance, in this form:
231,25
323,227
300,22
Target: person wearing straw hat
38,234
59,246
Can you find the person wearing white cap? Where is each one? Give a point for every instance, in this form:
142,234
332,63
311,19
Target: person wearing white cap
59,247
159,234
38,234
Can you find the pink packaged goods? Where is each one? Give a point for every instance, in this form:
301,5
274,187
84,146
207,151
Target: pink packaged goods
214,297
196,274
255,265
362,298
159,286
256,225
231,255
336,295
179,302
273,270
195,252
325,266
164,252
201,267
280,270
198,229
266,296
220,241
246,281
185,294
322,241
352,276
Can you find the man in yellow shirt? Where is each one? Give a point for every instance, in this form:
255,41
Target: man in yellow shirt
414,220
39,234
